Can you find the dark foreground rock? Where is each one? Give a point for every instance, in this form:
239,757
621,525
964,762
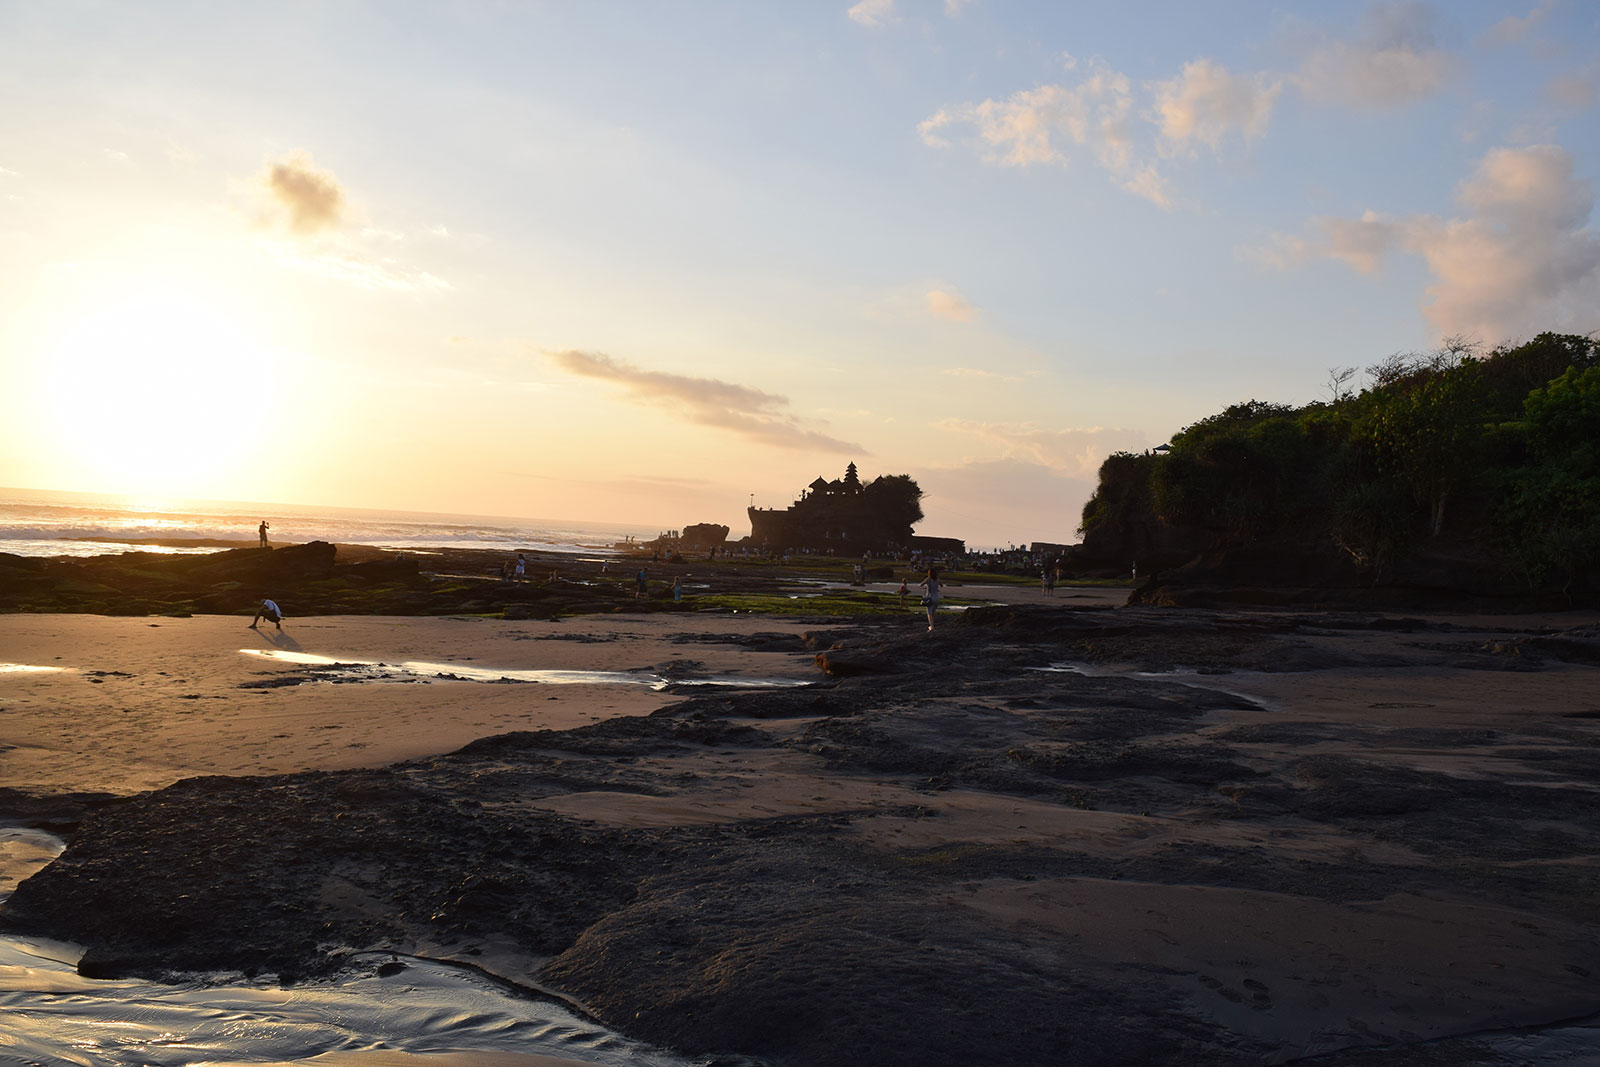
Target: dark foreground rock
980,851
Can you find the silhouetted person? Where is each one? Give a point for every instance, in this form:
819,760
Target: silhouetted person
270,611
932,599
643,578
262,530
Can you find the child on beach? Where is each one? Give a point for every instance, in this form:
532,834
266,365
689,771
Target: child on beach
270,611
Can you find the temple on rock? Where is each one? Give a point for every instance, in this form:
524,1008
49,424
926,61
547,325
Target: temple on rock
843,515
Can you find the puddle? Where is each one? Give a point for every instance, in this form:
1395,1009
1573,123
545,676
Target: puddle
26,668
1188,677
424,1008
332,669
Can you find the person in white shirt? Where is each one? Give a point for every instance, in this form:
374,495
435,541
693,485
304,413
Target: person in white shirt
932,599
270,611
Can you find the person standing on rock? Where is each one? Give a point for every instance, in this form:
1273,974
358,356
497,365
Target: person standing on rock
932,597
262,531
643,580
677,590
522,566
270,611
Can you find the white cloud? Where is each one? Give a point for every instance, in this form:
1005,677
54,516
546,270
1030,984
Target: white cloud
1050,124
1205,103
1521,259
750,413
950,305
1393,62
872,12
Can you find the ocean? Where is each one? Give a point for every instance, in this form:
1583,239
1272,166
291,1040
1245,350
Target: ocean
44,523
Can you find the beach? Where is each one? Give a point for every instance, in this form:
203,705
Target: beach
1032,832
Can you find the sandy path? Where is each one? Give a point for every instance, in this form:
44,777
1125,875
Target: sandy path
137,703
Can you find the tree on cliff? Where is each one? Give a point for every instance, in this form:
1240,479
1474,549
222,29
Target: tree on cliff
1493,455
896,499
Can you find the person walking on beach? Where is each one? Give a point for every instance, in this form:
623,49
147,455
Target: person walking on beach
904,592
677,590
643,582
522,566
932,599
262,530
270,611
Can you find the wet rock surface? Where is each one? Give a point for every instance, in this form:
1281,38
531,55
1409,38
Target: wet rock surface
963,857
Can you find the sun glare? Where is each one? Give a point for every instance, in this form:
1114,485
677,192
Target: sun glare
155,392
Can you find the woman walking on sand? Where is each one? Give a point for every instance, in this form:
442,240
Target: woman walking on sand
932,599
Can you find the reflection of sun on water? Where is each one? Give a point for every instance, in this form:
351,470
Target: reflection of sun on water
155,393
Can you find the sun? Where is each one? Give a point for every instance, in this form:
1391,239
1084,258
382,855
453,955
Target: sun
154,390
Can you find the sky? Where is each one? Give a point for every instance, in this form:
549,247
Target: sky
652,262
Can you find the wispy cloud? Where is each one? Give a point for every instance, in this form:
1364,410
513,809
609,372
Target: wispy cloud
1514,28
363,271
975,372
1076,452
312,199
1520,258
1576,92
750,413
950,305
1394,60
872,12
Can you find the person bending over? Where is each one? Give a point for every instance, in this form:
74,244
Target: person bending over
270,611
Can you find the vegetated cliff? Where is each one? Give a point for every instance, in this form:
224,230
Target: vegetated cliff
1453,478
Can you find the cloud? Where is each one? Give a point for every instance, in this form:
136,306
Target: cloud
364,272
1514,28
872,12
313,198
1050,123
1525,260
750,413
1205,103
1075,452
951,305
1394,61
1573,91
974,372
997,502
1521,258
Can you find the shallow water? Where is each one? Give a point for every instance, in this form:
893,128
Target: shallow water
378,671
25,668
49,1014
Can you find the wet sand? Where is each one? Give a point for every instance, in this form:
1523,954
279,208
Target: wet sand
138,703
1323,833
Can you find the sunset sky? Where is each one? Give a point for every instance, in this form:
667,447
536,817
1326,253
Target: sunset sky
636,262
